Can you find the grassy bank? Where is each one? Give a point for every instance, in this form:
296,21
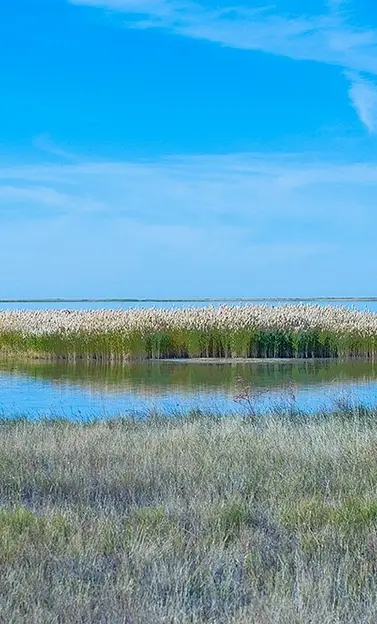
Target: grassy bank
189,521
226,332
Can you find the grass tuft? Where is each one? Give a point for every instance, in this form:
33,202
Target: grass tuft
189,520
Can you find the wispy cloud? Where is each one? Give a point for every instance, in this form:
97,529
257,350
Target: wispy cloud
44,143
336,4
245,192
328,38
325,38
239,222
363,94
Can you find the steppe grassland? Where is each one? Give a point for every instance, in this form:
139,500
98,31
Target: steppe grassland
190,520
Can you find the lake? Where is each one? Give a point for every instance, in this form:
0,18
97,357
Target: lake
86,390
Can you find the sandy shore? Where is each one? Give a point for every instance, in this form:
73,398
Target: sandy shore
234,360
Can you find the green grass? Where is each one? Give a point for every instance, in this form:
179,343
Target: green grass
119,346
212,520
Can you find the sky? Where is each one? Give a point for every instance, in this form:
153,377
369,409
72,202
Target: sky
188,148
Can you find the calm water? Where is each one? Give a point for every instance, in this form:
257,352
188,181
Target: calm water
87,390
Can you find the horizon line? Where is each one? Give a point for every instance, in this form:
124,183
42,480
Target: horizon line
193,300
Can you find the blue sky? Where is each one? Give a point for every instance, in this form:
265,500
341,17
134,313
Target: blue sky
173,148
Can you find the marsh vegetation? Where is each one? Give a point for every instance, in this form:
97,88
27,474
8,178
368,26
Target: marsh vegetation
251,331
190,520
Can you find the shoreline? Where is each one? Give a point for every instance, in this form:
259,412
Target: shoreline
267,360
195,360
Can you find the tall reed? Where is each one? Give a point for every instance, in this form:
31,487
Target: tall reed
301,331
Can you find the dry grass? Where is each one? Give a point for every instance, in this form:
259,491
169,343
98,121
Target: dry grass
225,331
188,521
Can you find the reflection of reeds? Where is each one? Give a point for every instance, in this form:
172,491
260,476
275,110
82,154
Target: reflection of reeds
246,331
159,378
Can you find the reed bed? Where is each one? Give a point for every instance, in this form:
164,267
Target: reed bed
190,521
251,331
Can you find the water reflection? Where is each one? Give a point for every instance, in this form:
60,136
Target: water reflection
189,378
87,389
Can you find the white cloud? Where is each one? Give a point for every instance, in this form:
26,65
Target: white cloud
336,4
363,94
245,189
208,225
35,199
44,143
328,38
325,38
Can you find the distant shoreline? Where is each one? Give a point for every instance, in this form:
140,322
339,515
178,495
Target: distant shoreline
196,300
